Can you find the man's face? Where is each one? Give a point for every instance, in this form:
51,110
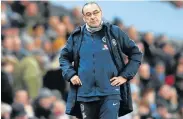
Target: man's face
21,97
92,15
160,69
45,102
144,71
22,117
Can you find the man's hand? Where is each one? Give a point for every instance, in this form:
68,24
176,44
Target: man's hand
75,80
117,81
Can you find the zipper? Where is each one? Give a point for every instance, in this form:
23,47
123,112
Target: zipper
93,55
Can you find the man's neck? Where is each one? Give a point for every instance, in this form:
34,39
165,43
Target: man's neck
94,29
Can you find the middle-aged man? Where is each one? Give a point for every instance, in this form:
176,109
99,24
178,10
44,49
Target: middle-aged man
99,78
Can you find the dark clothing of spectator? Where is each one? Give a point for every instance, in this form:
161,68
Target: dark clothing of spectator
169,106
150,53
17,7
179,85
6,89
44,7
54,80
41,112
151,82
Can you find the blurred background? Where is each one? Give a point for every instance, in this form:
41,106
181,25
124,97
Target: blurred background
33,34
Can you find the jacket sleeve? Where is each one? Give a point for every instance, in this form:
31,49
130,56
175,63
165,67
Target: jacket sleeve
130,49
66,59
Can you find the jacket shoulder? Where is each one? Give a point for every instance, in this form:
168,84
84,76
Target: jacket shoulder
77,30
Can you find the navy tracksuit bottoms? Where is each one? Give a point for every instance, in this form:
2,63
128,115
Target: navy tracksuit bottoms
101,109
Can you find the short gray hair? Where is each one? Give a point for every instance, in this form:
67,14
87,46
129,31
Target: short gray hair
89,3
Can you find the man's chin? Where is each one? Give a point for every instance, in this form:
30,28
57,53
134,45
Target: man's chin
94,26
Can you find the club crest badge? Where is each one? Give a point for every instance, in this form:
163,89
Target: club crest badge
114,42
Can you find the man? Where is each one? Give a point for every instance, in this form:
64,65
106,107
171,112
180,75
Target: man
42,105
99,78
21,96
18,111
28,75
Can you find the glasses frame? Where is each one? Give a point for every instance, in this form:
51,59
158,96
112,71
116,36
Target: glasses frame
95,13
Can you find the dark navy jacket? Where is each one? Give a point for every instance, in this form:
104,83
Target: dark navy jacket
118,43
94,60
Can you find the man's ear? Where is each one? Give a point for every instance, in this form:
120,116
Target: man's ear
84,19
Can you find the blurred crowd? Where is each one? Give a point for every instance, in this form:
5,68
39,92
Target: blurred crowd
31,82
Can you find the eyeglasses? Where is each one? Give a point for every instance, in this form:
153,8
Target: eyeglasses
95,13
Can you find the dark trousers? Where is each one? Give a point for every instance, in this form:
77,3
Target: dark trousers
102,109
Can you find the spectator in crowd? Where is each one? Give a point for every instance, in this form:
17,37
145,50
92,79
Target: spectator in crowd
18,111
42,105
38,34
5,111
118,22
169,52
179,81
7,45
160,72
55,95
28,44
77,16
149,96
6,88
180,116
146,79
19,6
47,47
12,43
19,52
168,97
10,18
60,40
69,26
32,15
163,112
150,52
21,96
54,80
161,40
5,22
9,63
179,55
141,47
180,58
133,34
51,31
59,110
144,110
29,74
44,8
135,90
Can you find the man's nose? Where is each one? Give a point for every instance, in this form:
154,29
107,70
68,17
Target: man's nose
92,16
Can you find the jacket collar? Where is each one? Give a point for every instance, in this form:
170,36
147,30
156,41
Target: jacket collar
81,28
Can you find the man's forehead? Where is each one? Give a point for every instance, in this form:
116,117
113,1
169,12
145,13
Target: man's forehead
91,8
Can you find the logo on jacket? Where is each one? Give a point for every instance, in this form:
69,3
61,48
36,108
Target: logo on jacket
104,39
114,104
117,89
114,42
82,107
